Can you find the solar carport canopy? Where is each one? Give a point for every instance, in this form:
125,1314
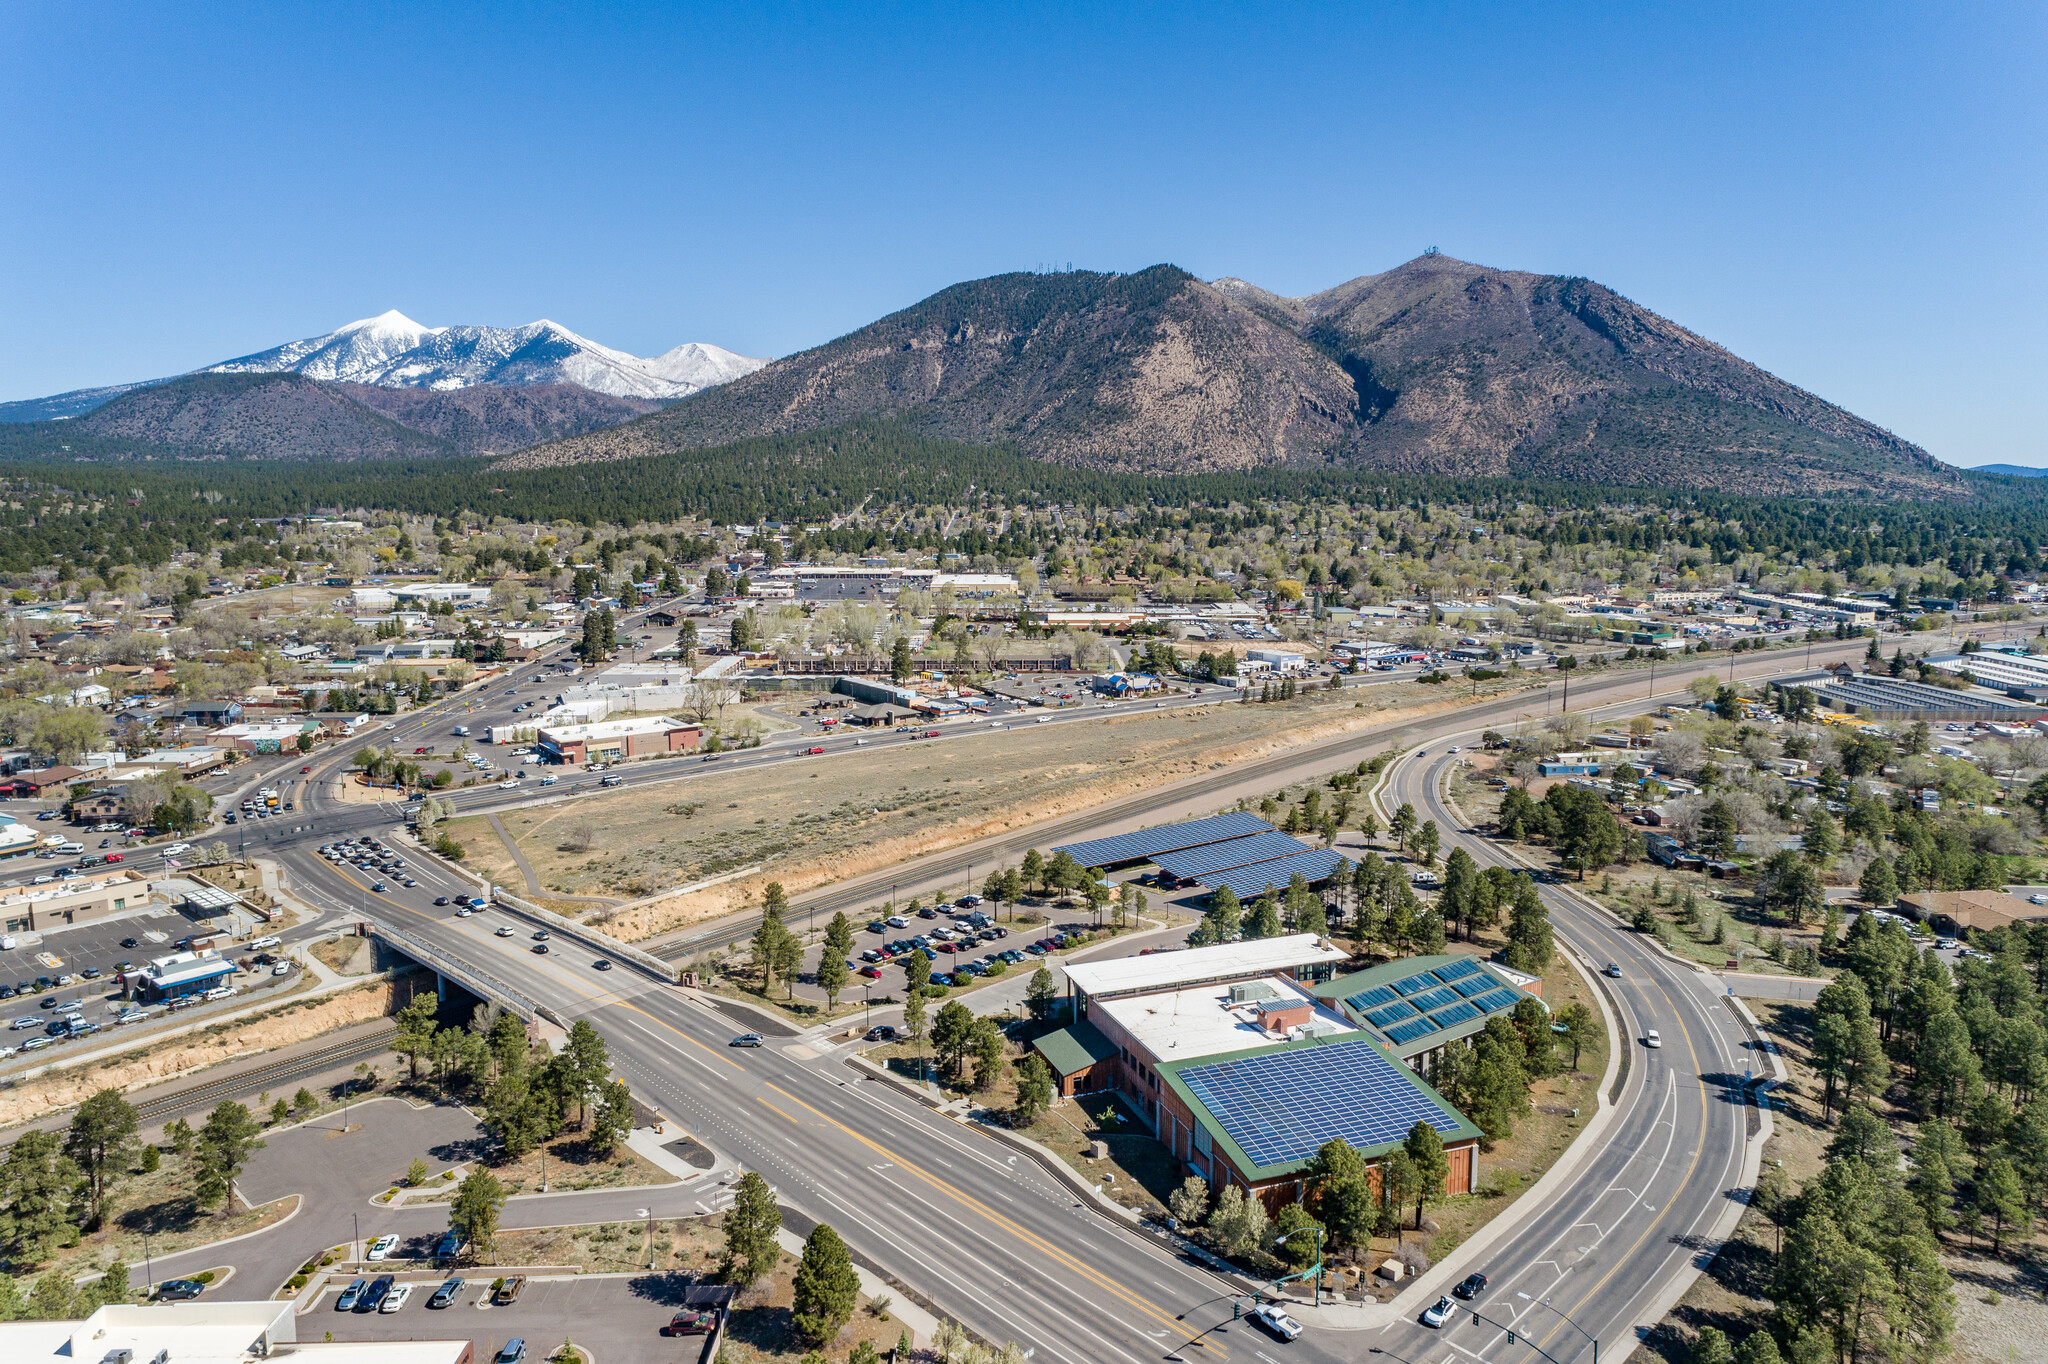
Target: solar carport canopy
1147,844
1192,864
1249,883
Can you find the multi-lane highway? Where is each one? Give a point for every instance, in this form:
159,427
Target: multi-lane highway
974,1227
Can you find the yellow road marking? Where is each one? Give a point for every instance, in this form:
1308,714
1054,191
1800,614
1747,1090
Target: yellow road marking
791,1119
1030,1238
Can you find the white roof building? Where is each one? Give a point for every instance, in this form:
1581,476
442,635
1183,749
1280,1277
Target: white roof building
203,1332
1208,1020
1291,955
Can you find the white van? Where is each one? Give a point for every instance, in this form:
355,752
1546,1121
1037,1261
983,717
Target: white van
462,731
71,849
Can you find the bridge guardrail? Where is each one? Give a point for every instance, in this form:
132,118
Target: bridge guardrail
474,978
582,932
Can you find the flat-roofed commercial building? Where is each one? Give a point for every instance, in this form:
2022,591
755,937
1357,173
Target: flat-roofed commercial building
1241,1070
617,740
206,1332
64,904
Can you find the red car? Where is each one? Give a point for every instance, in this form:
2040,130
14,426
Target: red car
309,767
115,857
814,750
871,972
691,1322
931,734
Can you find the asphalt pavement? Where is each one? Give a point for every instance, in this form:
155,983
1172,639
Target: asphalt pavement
975,1227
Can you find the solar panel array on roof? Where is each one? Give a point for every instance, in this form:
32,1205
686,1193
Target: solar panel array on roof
1475,985
1412,1029
1148,843
1249,883
1457,970
1390,1013
1194,863
1281,1106
1453,1016
1433,999
1416,984
1366,999
1499,999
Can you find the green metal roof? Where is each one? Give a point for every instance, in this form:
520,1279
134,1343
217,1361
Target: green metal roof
1460,1129
1074,1049
1343,994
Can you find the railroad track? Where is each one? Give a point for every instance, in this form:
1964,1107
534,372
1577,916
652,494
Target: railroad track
263,1077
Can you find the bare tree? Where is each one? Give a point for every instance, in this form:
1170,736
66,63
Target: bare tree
580,837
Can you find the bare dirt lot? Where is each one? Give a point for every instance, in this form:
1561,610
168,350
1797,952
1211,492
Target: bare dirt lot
810,822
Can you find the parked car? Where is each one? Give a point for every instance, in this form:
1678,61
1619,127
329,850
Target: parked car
508,1293
446,1293
382,1247
395,1299
351,1295
691,1322
373,1296
515,1348
882,1032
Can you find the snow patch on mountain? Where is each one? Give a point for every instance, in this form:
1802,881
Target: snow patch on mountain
393,351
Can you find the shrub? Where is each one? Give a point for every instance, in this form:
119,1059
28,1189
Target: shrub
204,1276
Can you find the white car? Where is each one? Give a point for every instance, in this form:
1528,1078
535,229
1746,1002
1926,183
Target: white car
505,932
177,848
382,1247
464,912
1438,1312
283,968
1650,1039
1278,1322
512,785
395,1299
2037,899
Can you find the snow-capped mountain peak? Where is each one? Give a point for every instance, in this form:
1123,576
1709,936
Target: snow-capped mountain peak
393,351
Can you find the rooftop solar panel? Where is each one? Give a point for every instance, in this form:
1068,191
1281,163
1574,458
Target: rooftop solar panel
1390,1013
1453,1016
1476,985
1195,863
1378,994
1412,1029
1499,999
1249,883
1147,843
1416,984
1457,970
1279,1107
1433,999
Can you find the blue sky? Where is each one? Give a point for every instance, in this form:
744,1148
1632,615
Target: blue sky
1851,196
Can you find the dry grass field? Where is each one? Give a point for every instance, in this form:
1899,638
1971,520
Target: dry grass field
810,822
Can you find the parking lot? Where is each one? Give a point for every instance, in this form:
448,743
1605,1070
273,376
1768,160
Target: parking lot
615,1317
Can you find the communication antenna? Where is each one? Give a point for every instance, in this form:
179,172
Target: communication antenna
1429,251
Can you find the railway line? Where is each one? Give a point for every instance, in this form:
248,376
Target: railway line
263,1077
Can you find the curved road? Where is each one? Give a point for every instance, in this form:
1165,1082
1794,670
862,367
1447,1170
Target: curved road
975,1227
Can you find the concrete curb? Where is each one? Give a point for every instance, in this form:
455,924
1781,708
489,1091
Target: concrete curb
922,1324
1431,1283
1057,1167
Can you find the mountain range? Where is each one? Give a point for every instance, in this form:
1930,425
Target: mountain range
1438,366
393,351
